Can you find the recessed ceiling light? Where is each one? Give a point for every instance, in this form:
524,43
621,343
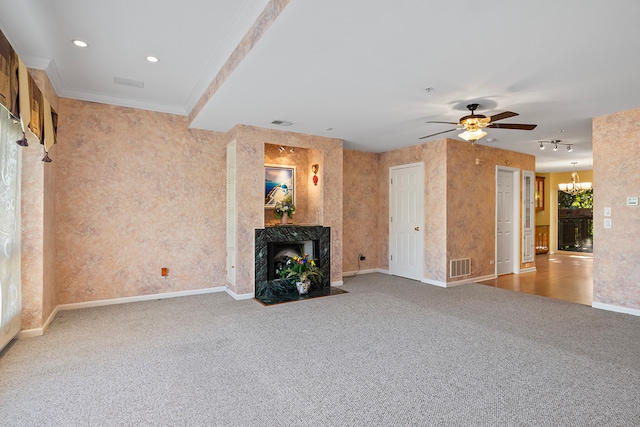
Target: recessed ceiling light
152,59
80,43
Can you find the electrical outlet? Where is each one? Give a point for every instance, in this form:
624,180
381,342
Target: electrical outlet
362,258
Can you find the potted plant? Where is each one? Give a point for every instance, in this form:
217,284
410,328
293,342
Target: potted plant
285,209
302,269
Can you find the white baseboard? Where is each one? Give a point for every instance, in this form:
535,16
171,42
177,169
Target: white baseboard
369,271
28,333
138,298
338,283
434,283
36,332
239,297
616,308
457,282
528,270
483,278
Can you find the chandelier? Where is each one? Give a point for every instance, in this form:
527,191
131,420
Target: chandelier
575,186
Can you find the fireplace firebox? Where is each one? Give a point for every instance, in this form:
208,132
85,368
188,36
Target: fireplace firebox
276,243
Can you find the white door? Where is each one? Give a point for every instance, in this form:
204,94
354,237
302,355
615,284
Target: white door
406,220
504,222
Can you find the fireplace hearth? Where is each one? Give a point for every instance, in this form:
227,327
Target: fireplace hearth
315,240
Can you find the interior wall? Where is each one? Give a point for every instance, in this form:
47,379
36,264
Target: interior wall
360,211
136,191
616,155
250,183
300,159
471,203
433,155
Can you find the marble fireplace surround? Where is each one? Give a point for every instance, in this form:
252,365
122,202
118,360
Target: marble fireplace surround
292,233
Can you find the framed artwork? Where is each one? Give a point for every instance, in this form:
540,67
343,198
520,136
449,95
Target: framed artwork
279,184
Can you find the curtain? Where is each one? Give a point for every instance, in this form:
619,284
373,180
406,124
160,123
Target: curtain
10,287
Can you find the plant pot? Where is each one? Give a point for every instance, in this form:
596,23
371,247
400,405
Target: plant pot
284,219
303,287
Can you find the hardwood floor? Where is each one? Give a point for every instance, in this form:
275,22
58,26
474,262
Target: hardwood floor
563,276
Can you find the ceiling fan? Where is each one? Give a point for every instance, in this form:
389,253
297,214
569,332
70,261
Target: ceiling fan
474,123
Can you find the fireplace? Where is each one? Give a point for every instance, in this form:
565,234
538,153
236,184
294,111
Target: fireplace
279,252
276,242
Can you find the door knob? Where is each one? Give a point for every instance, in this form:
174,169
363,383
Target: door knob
417,228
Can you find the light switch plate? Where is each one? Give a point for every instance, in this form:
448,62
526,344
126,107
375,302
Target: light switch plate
607,223
632,201
607,211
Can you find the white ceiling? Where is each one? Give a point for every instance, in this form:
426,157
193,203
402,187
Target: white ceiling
357,67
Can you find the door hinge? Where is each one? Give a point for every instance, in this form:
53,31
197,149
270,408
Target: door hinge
391,257
391,181
391,219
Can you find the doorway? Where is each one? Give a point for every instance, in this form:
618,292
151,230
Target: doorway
406,220
507,210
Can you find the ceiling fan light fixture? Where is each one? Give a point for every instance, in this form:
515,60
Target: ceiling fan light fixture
472,136
80,43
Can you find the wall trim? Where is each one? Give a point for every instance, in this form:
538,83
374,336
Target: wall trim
337,283
369,271
138,298
35,332
528,270
434,283
483,278
239,297
616,308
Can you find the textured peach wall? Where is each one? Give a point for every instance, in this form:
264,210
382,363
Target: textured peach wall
250,187
32,223
616,259
471,202
137,191
50,297
360,212
459,202
433,154
300,159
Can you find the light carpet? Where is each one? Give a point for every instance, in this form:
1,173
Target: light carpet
390,352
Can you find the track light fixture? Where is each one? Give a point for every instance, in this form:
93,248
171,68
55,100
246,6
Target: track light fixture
556,143
281,149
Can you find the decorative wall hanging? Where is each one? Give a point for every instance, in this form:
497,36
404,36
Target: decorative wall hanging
315,168
279,184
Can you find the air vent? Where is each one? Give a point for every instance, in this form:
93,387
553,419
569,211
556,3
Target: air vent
128,82
281,123
459,267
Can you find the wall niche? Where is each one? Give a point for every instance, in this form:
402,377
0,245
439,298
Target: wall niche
308,197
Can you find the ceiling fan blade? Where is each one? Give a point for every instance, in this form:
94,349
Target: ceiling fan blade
434,134
447,123
501,116
511,126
